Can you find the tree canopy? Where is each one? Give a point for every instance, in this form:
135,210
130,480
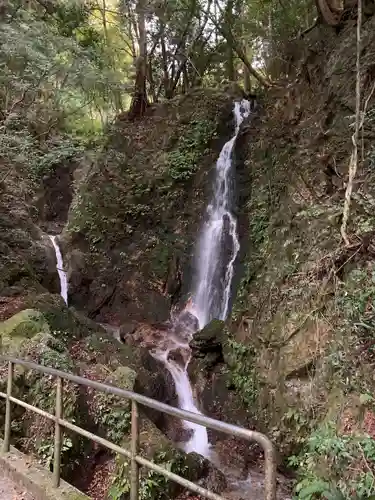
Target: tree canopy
73,65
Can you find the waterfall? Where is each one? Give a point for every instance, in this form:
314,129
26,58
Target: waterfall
218,245
216,255
60,270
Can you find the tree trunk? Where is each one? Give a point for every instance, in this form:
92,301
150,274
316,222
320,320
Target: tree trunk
117,98
140,102
166,80
230,52
227,33
246,80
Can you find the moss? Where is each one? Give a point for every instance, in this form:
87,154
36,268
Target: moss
63,321
21,327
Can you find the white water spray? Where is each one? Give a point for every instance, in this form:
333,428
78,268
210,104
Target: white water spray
60,270
218,246
199,439
217,252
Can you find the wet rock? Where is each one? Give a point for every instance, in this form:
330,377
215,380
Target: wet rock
216,398
177,432
211,477
180,356
185,325
127,329
147,336
208,343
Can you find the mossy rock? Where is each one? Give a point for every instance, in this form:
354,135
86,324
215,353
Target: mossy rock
21,327
40,391
208,342
60,318
35,432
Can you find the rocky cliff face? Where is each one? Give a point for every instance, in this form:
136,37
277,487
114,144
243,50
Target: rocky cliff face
127,244
301,348
137,210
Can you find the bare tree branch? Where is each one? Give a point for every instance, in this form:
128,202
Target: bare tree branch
353,163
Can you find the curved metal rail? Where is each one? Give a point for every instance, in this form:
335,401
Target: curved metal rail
132,454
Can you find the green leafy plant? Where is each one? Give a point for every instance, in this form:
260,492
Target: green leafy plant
112,414
183,162
153,486
335,466
242,371
46,451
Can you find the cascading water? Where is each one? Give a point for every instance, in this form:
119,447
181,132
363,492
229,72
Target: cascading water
217,251
60,270
218,246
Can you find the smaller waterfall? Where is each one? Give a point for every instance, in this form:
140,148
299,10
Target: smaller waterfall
198,442
60,270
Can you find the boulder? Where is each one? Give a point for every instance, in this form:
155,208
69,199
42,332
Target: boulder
185,325
19,328
208,343
61,319
126,330
211,477
34,432
180,355
152,379
150,336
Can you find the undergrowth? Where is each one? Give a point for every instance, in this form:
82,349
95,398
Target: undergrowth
152,486
336,467
242,371
183,162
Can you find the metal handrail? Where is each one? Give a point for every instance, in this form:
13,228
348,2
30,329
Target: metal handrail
136,460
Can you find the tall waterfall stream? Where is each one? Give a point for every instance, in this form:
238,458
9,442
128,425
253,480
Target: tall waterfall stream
216,254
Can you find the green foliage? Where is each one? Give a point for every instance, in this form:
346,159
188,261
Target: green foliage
153,486
258,209
55,75
357,293
183,161
242,371
354,299
45,451
292,430
335,466
112,414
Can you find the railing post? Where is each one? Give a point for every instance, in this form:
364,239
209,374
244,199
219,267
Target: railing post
134,484
57,446
270,472
8,407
